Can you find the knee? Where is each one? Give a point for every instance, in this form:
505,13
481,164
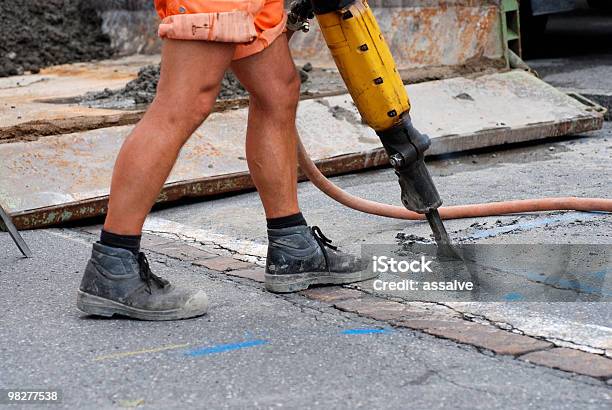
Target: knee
186,110
281,97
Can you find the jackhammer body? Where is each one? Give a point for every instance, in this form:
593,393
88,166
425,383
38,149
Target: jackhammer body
367,67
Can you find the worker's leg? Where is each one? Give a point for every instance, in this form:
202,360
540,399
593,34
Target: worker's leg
117,278
191,74
274,86
298,256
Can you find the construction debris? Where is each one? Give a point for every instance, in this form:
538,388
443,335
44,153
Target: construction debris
141,90
61,31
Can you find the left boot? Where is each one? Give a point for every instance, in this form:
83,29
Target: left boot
301,256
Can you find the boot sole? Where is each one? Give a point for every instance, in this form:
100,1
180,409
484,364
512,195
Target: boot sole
299,281
95,305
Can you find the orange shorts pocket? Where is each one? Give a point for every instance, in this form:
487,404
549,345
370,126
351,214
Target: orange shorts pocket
232,26
253,24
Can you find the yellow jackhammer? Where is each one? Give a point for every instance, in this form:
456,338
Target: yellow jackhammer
368,70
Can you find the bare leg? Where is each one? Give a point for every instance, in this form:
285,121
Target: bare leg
191,74
274,86
298,256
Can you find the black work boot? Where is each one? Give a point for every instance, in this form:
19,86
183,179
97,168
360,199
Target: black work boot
301,256
118,282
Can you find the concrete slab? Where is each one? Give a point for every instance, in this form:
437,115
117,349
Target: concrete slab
66,177
27,105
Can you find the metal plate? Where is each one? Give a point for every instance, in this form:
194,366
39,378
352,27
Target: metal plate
424,33
66,177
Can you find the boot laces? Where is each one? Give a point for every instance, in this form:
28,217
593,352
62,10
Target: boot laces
324,242
147,275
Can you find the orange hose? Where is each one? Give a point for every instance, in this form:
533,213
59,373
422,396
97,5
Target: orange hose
446,212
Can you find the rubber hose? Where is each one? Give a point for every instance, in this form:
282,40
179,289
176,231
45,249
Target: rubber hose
446,212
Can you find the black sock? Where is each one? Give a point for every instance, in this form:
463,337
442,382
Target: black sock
129,242
286,221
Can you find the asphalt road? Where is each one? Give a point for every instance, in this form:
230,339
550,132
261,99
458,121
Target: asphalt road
254,349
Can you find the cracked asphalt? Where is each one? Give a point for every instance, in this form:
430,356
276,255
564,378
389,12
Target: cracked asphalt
254,349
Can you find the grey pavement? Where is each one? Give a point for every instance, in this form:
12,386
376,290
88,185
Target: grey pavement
283,351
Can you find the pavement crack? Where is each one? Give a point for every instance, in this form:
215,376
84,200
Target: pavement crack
215,245
483,319
463,386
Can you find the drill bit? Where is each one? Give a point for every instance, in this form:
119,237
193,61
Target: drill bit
445,247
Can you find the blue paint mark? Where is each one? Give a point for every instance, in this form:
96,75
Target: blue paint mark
513,297
363,331
536,223
567,284
599,274
205,351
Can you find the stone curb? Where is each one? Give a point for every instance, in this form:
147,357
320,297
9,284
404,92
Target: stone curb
449,325
427,318
181,251
256,274
571,360
223,264
331,294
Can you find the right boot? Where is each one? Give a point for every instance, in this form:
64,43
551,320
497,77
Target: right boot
117,282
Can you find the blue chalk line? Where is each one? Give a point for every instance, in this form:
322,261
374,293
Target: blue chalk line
205,351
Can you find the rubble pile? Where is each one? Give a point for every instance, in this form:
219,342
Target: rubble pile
141,90
40,33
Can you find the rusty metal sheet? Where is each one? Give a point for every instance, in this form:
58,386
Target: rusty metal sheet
424,33
66,177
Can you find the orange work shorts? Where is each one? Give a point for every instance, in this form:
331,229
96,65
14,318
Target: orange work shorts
253,24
